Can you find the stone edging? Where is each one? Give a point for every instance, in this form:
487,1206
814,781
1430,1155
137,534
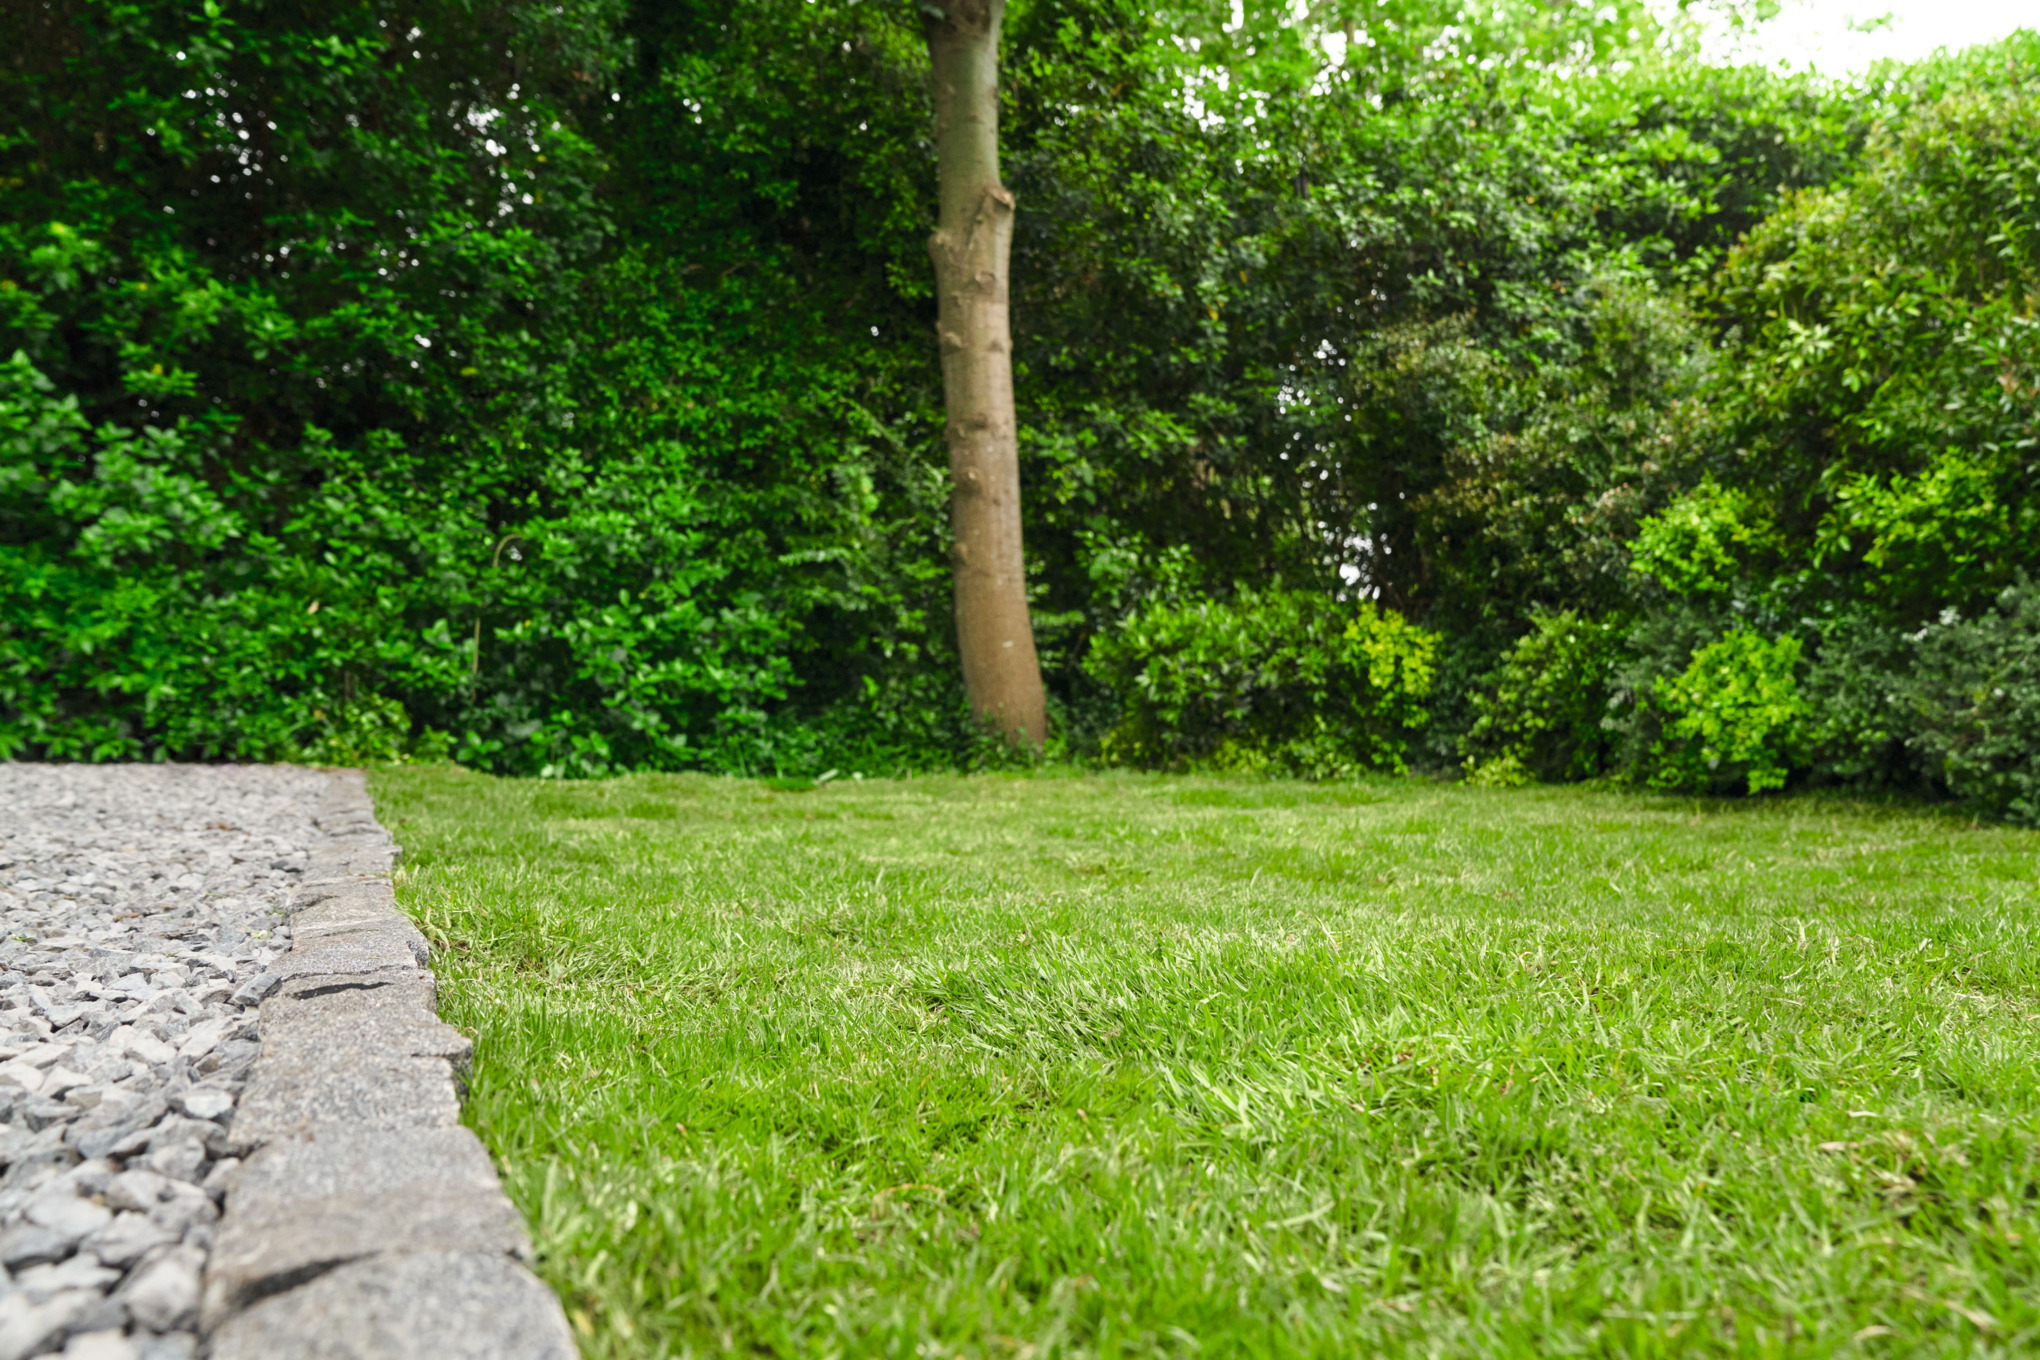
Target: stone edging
366,1223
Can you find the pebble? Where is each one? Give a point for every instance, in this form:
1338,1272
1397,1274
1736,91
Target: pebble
141,907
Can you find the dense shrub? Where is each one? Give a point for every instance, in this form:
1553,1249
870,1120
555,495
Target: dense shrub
1283,680
1702,543
1858,723
1826,586
342,392
1731,717
1972,697
1880,413
148,609
1552,466
1544,715
1951,707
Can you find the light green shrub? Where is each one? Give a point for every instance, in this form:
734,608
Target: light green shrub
1733,715
1285,680
1702,541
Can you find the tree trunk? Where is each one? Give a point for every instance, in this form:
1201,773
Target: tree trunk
971,245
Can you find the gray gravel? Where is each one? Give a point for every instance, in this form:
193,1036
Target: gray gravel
140,909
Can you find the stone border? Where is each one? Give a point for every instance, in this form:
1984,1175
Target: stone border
366,1223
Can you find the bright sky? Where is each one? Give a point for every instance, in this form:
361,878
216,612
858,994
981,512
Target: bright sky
1819,33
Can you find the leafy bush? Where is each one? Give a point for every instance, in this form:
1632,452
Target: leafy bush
1972,695
1859,473
1858,717
1883,391
1287,680
370,730
1702,542
1537,510
152,604
1545,716
1733,715
1950,708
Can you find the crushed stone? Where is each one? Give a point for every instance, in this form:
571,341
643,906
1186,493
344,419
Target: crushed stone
140,909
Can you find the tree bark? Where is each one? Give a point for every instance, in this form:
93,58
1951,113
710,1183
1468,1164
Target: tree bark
972,245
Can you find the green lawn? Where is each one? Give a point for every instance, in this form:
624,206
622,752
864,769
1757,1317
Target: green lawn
1117,1066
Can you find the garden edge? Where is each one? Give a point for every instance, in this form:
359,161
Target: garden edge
366,1221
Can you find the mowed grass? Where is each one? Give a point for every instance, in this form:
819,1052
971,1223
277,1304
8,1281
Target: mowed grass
1127,1066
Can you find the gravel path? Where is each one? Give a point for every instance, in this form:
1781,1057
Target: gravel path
140,909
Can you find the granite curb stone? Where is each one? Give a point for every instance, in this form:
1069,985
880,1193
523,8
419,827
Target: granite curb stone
406,1306
365,1223
387,1091
303,1205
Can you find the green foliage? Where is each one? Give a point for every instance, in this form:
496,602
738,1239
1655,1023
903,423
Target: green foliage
1852,466
341,380
1733,716
560,375
1546,715
369,731
1414,332
1701,543
123,639
1540,493
1861,469
1856,723
1952,706
1884,394
1284,680
1974,691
